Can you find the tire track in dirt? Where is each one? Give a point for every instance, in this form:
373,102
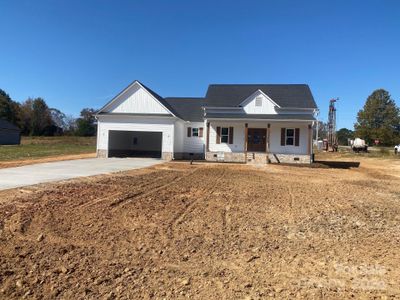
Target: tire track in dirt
129,198
121,197
191,206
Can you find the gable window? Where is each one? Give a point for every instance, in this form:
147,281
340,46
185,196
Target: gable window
258,101
289,136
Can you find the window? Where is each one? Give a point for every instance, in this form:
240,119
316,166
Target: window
195,132
289,136
135,140
258,101
224,134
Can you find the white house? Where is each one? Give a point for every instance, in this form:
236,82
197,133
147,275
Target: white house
232,123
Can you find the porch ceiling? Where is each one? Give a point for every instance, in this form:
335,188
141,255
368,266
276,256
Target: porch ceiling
278,117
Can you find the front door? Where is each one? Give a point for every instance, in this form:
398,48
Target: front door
256,139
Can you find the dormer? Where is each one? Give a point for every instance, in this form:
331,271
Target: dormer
259,103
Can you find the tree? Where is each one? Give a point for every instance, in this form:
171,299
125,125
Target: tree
41,118
9,109
86,124
36,118
379,119
343,135
26,116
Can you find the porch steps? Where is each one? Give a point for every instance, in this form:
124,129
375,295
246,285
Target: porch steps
257,158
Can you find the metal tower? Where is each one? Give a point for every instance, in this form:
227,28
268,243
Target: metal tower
332,139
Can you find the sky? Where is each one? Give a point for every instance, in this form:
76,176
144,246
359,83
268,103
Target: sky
78,54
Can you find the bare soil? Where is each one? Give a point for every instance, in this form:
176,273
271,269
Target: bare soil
206,231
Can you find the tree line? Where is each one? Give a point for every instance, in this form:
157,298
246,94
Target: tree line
35,118
379,119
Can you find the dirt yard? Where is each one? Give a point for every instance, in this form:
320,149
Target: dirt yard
207,231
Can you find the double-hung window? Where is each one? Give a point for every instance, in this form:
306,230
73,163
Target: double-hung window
289,136
224,135
195,131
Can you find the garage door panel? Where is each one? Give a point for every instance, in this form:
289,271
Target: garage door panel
135,144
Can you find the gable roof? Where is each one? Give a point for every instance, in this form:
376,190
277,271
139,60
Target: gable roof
188,108
4,124
285,95
160,99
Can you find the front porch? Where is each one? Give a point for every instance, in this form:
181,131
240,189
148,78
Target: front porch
258,142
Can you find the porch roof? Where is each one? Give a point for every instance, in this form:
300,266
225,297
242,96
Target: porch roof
278,117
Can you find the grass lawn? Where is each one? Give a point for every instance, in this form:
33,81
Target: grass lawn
40,147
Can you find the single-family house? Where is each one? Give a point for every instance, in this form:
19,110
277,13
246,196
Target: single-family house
232,123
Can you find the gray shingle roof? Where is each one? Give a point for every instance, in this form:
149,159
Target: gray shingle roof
7,125
302,117
189,109
285,95
162,100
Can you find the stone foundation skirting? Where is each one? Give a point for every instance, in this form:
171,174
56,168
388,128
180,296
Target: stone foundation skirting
257,158
226,156
188,156
102,153
167,156
290,158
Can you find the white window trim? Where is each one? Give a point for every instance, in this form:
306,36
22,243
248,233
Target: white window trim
198,132
227,135
294,136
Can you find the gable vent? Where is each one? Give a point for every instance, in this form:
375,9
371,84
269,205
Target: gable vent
258,101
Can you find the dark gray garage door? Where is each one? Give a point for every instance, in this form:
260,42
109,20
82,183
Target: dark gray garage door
134,144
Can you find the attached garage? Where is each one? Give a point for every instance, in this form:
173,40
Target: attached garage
134,144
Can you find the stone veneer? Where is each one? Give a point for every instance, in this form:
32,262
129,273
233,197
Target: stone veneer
102,153
290,158
259,158
228,157
167,156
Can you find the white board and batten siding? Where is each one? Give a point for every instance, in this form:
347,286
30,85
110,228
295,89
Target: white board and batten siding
136,100
126,123
259,103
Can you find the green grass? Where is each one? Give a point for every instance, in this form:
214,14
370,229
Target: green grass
40,147
346,152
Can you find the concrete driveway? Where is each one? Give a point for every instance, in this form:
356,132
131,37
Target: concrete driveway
61,170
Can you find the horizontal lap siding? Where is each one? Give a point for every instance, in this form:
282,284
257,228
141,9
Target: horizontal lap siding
193,144
238,137
275,138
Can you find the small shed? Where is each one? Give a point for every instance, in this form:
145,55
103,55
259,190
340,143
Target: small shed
9,133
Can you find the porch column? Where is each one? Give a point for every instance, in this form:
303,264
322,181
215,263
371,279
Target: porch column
268,134
208,138
309,139
245,140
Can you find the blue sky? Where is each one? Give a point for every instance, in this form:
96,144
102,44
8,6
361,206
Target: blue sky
79,54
